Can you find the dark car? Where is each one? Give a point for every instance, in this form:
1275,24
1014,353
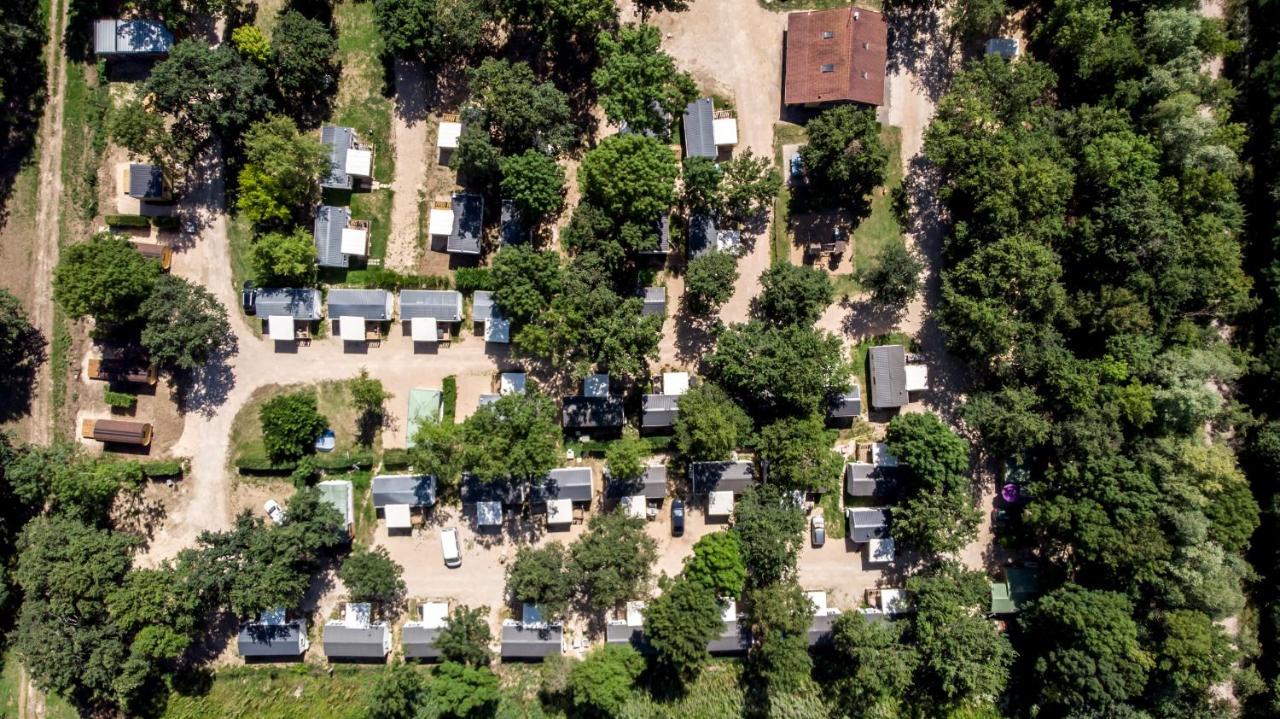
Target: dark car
248,298
677,518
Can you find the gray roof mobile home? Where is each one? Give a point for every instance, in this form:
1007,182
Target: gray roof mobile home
347,642
888,376
146,182
520,641
131,37
572,483
699,129
415,490
339,140
443,305
867,523
655,301
369,304
468,221
279,640
862,479
658,411
652,484
707,477
330,222
298,303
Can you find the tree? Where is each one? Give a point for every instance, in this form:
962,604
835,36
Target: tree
717,564
302,52
370,399
770,528
432,30
185,325
396,693
791,369
463,692
516,437
602,682
561,23
70,566
1009,420
845,157
517,111
465,636
678,625
611,562
252,43
281,176
977,19
798,455
104,278
541,577
476,159
161,595
780,616
372,576
877,667
936,514
437,451
210,91
285,260
710,425
794,294
290,425
700,185
624,459
1089,654
535,182
630,177
749,187
708,282
139,130
21,352
894,280
1193,655
525,280
638,83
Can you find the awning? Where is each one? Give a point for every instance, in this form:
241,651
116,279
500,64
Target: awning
397,516
635,505
725,131
720,504
675,383
880,551
280,327
441,222
488,514
917,377
359,163
511,383
354,242
424,329
351,329
560,511
497,330
448,135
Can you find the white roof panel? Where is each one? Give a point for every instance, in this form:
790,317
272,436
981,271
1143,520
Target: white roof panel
595,385
560,511
434,614
351,329
819,599
448,135
675,383
635,505
398,516
441,222
511,383
424,329
359,163
720,503
497,330
488,514
354,241
280,327
725,131
880,551
917,377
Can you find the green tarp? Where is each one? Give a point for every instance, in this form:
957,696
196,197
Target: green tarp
425,405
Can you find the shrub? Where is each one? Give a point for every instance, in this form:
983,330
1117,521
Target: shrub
120,400
347,459
470,279
395,459
165,222
252,463
163,468
382,279
290,425
450,399
127,221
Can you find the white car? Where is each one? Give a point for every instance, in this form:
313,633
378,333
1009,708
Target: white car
274,511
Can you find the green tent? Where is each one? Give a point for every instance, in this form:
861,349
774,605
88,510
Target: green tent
1020,585
425,405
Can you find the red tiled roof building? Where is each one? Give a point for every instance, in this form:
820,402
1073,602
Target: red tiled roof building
835,56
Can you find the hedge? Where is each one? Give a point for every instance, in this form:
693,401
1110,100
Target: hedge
382,279
120,400
450,398
597,448
335,461
165,222
360,459
395,459
163,468
470,279
127,221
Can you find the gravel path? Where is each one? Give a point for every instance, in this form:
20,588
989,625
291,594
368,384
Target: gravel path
409,134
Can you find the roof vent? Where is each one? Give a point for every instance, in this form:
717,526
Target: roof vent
828,68
828,34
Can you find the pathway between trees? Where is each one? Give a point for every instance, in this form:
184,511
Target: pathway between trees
409,134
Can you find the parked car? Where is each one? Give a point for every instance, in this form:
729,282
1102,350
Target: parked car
449,548
677,518
274,511
248,298
818,530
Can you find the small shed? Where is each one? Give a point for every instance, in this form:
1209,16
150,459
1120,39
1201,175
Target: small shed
410,490
424,329
468,223
440,305
399,517
720,503
440,222
867,523
338,494
592,413
418,637
273,638
512,383
655,301
635,506
147,182
888,376
372,305
917,377
297,303
133,38
497,330
846,407
114,431
675,383
351,329
595,385
559,512
447,137
281,328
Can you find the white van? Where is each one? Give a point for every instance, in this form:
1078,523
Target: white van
449,547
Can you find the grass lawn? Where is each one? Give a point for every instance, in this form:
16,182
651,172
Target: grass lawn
55,707
861,367
361,103
880,228
332,399
240,235
831,511
376,207
779,241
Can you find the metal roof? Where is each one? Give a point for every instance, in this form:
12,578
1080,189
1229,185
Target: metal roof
707,477
338,494
419,642
531,642
699,140
732,639
659,410
655,301
339,140
298,303
418,490
592,412
846,405
867,523
868,480
468,222
652,484
261,639
573,483
482,307
662,228
443,305
513,231
342,641
121,431
330,222
369,304
131,37
146,182
888,376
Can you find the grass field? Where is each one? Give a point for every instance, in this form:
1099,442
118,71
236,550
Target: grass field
55,707
779,240
332,399
361,102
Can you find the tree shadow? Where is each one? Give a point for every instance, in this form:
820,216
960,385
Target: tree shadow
206,389
18,381
921,44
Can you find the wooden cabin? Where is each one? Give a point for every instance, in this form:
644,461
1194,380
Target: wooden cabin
152,251
105,370
114,431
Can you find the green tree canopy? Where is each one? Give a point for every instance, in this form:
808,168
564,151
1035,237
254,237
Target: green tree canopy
710,425
845,157
535,182
541,576
285,260
612,562
518,111
750,186
465,636
708,282
678,625
799,455
302,53
463,692
700,184
396,693
437,451
790,369
638,83
139,130
780,615
22,350
185,325
290,425
794,294
717,564
894,280
602,682
370,575
281,176
432,30
516,437
525,280
936,514
208,90
631,177
770,528
104,278
876,666
624,459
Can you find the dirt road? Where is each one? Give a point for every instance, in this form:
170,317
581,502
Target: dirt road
409,134
48,203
